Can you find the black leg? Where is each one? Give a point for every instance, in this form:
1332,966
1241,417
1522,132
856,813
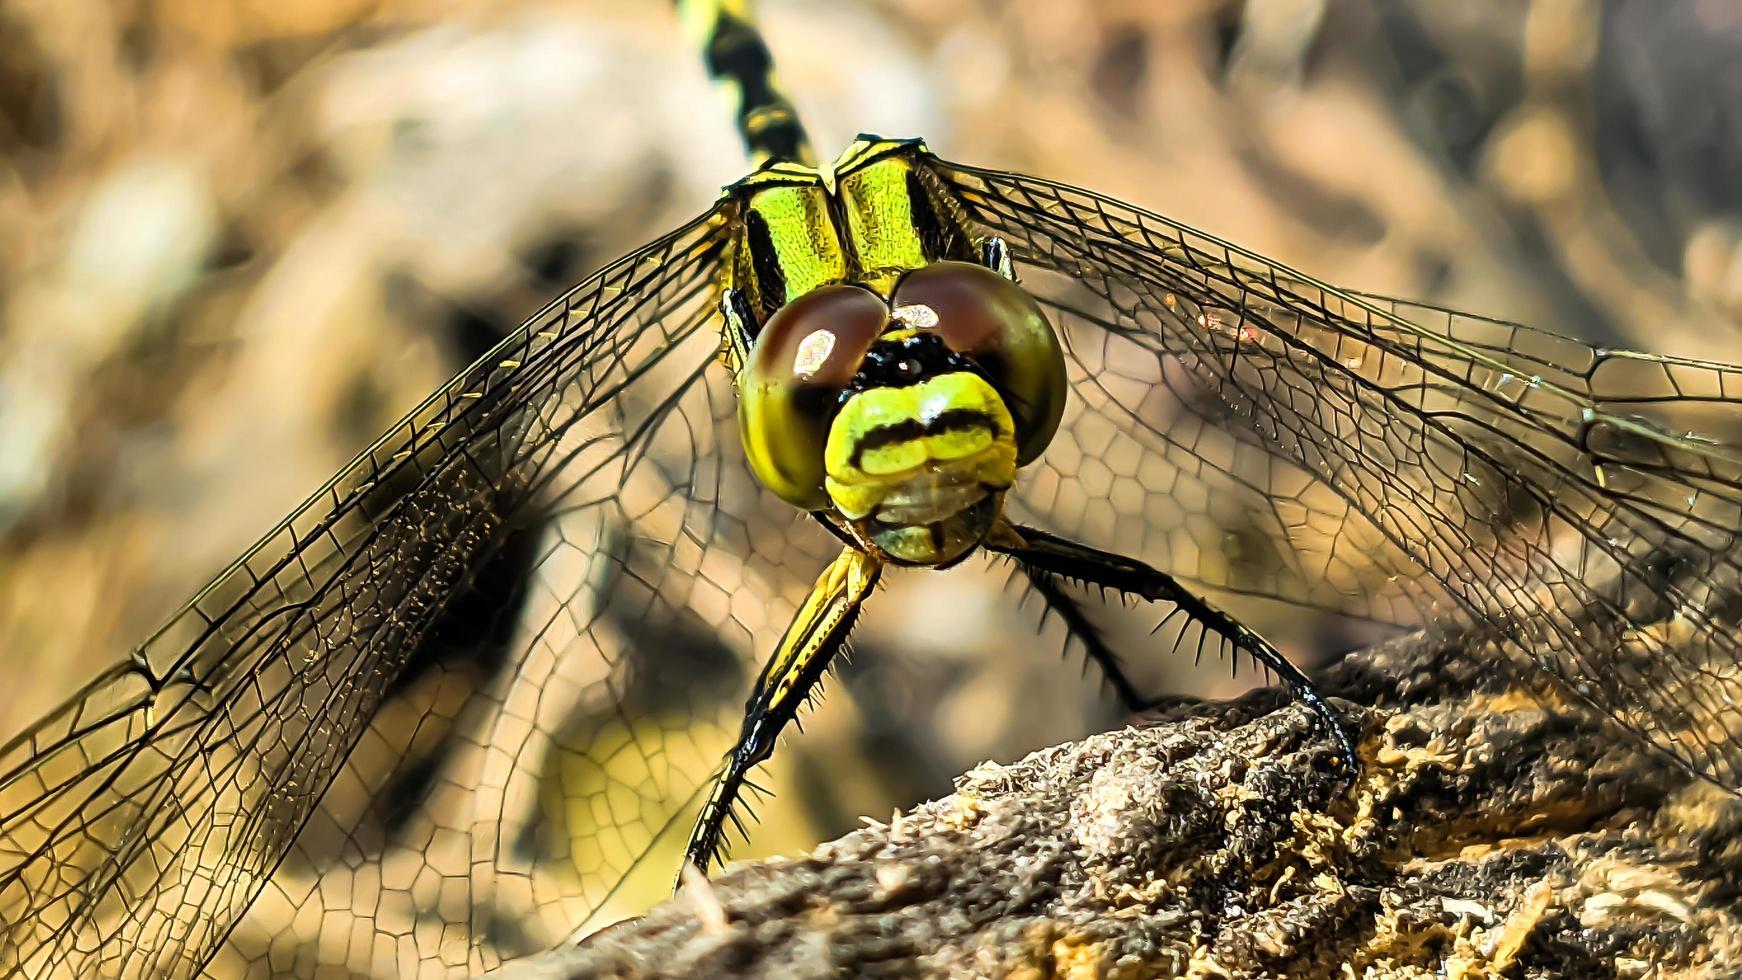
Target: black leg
1083,630
995,255
811,641
1067,559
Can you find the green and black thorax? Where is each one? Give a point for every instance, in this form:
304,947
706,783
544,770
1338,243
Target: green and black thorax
874,214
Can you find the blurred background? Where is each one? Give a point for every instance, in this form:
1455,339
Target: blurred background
240,239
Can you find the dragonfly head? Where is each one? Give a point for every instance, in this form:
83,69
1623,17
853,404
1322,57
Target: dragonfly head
907,417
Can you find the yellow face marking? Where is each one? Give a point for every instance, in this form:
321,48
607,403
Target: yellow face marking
924,441
897,458
924,403
958,443
908,454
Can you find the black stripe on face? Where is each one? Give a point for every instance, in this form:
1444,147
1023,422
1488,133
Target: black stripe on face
906,429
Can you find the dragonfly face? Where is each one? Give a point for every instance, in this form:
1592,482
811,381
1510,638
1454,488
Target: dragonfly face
902,392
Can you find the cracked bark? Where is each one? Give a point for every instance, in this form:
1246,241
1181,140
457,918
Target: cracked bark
1495,830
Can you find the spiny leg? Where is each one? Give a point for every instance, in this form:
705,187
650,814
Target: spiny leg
1062,557
1079,627
815,635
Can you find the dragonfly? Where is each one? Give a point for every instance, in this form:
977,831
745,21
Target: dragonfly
884,364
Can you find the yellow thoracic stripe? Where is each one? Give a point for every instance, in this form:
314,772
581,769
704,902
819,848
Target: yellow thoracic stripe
807,247
879,208
855,221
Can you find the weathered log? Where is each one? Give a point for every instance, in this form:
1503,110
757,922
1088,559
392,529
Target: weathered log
1494,830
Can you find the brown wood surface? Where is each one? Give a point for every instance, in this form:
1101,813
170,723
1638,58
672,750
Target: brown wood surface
1487,836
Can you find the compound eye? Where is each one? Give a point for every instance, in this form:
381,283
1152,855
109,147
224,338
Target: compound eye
790,386
997,325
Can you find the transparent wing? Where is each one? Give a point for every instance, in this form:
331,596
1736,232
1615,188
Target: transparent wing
1248,427
425,701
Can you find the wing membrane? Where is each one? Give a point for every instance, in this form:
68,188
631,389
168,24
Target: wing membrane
1410,456
328,755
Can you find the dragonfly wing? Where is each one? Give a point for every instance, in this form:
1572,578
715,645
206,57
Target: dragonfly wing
246,792
1475,469
1145,440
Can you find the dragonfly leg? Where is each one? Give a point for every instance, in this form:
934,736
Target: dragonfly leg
815,635
995,255
1083,630
1067,559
